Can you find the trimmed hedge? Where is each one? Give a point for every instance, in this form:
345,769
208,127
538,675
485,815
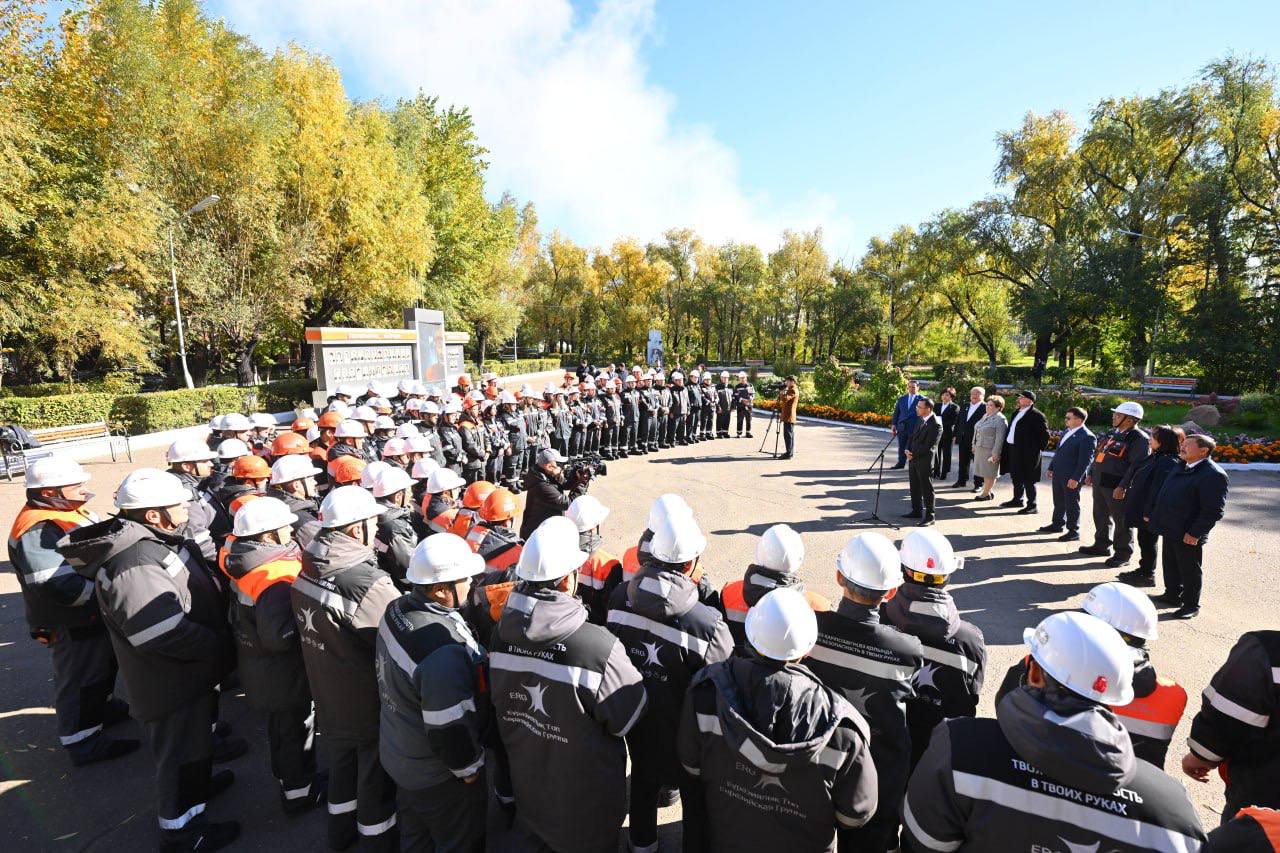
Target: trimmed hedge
57,410
523,365
141,413
285,395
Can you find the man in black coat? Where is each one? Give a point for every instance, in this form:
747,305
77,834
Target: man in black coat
1190,503
967,417
921,447
547,492
1028,435
1066,470
949,412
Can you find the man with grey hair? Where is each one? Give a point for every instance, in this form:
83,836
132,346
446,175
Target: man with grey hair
970,414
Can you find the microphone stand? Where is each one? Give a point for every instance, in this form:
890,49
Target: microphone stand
873,517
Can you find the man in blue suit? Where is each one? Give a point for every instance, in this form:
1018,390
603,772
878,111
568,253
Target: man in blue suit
904,420
1066,471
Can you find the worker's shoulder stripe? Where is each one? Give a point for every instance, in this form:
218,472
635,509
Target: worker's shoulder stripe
928,608
1234,709
951,659
575,676
878,669
1045,807
1275,674
1146,728
669,633
395,650
309,588
918,832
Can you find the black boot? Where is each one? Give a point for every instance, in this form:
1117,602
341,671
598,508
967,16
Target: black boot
211,836
103,748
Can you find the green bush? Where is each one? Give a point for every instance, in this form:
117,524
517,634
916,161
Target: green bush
885,383
140,413
1100,410
55,411
112,383
523,365
832,382
285,395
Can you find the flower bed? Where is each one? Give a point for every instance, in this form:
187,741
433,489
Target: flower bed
1240,449
831,413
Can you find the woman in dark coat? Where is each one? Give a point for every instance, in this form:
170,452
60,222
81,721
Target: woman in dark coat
949,412
1147,480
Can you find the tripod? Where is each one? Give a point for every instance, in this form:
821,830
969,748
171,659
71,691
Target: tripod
777,433
873,517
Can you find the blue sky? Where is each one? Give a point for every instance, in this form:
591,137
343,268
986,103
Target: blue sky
740,118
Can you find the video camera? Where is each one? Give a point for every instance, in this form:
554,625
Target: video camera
587,468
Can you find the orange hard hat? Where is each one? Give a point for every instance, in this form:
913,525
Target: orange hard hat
302,425
329,420
473,497
346,469
500,505
464,379
287,443
250,467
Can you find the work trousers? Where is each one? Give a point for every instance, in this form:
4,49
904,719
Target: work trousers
473,474
1110,530
291,740
644,427
1066,504
744,416
577,441
592,444
627,437
513,466
445,818
722,423
1182,567
692,423
362,797
646,783
706,422
181,744
922,498
84,674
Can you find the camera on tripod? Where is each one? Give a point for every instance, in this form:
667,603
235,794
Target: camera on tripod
587,468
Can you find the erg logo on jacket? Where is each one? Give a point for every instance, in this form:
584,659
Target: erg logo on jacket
762,791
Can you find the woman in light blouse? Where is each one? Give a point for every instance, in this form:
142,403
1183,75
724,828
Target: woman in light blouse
988,441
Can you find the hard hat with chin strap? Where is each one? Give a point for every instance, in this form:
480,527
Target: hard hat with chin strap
587,512
668,504
286,469
348,505
232,448
395,447
151,488
1124,608
1084,655
780,549
927,552
54,471
371,472
423,467
391,480
351,428
677,540
236,422
262,515
1130,409
407,431
781,625
188,450
870,561
443,558
551,552
444,480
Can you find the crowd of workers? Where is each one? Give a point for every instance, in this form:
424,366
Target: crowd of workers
363,577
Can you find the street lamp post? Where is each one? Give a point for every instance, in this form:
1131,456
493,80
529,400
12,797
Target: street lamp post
1155,326
206,202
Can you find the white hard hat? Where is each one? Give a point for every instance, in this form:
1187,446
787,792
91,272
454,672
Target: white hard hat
418,444
232,448
405,386
364,413
189,450
677,539
526,389
53,471
236,422
434,392
339,407
379,402
309,413
780,549
507,397
630,379
215,423
724,374
431,408
1085,655
1133,410
260,515
423,467
665,505
587,512
781,625
442,480
295,466
551,551
927,551
350,428
453,407
348,390
659,377
261,420
390,480
742,374
413,404
548,389
313,433
476,395
441,558
675,374
395,447
1123,608
371,471
870,561
151,488
384,422
419,387
347,505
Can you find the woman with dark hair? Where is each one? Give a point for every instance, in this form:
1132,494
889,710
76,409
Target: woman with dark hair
1147,480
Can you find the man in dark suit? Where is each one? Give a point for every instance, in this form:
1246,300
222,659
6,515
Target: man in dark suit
904,420
949,413
1190,503
967,418
1027,436
924,443
1066,471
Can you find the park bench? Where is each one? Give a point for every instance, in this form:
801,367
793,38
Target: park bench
16,459
1169,383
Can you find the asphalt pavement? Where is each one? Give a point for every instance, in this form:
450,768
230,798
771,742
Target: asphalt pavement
1012,578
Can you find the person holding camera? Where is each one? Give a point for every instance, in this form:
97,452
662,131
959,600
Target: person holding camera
548,493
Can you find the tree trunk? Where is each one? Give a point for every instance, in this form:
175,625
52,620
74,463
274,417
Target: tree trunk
244,362
482,344
1044,345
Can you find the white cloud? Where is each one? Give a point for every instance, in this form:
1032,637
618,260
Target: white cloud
563,103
